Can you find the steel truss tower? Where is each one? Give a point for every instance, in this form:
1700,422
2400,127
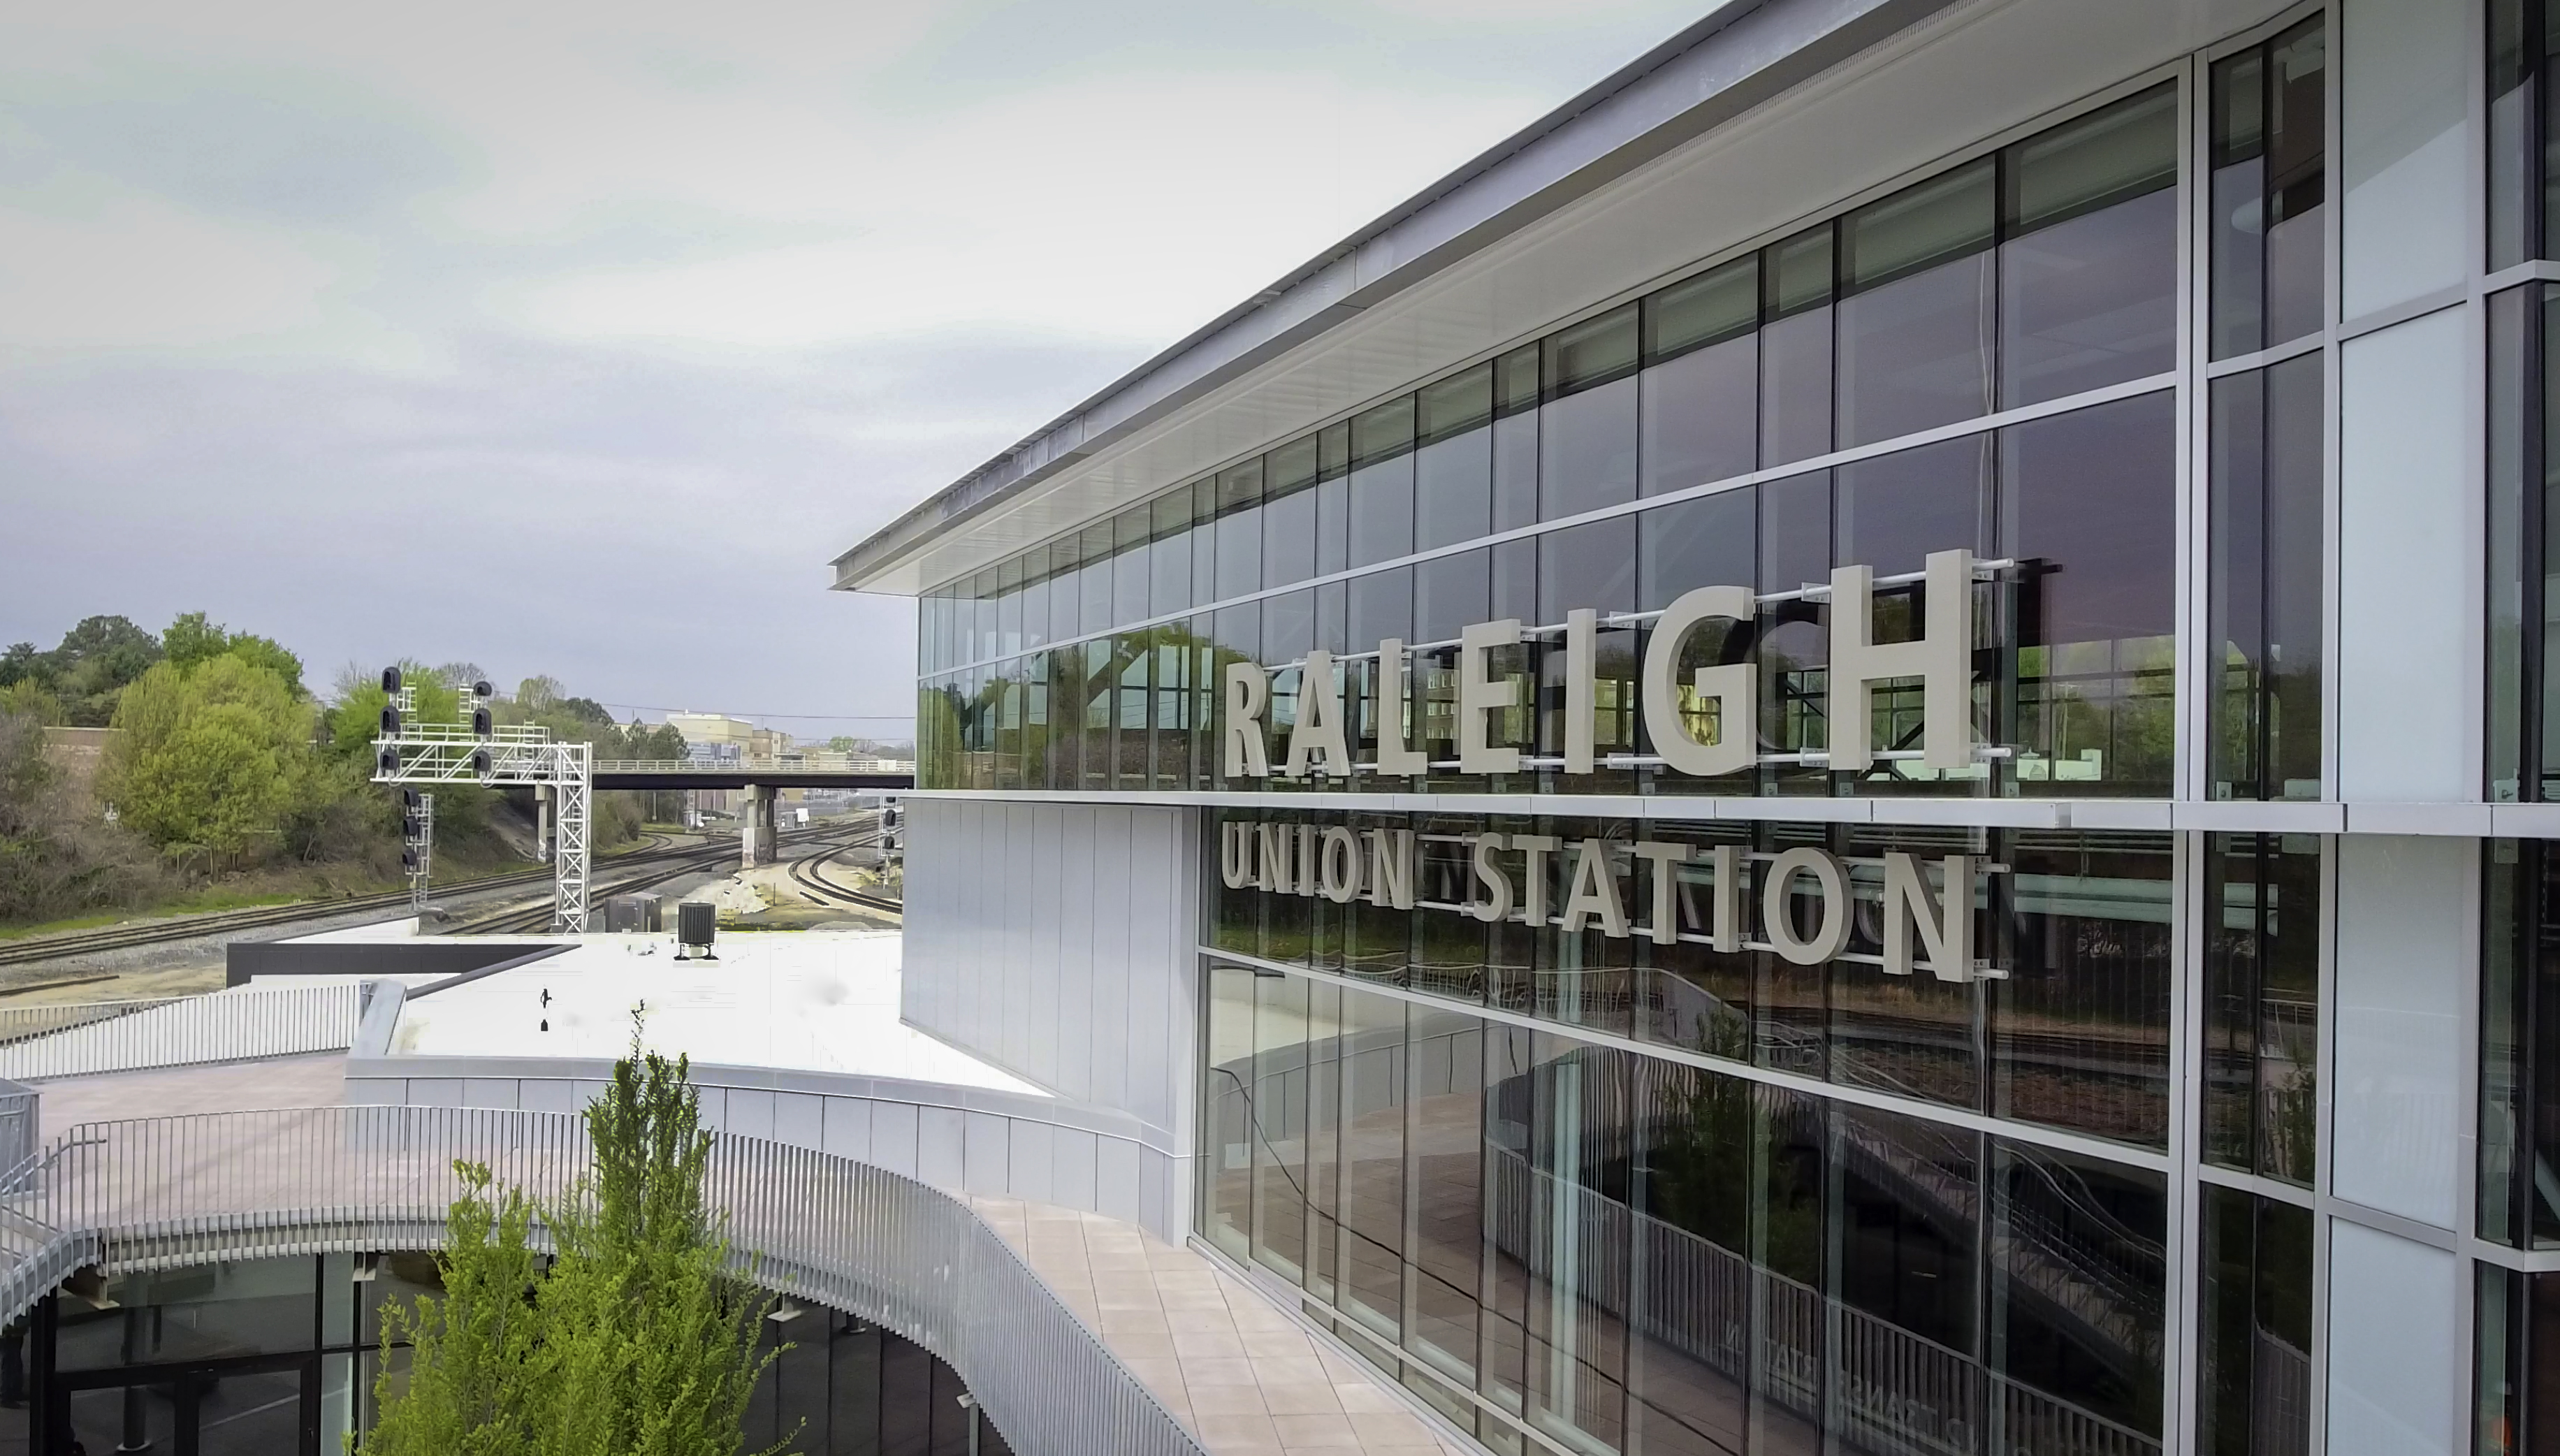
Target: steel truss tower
437,753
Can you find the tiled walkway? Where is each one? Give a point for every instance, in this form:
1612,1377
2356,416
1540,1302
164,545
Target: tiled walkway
237,1086
1228,1364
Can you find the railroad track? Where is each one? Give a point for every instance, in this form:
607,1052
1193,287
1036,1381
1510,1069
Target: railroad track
806,874
537,919
123,938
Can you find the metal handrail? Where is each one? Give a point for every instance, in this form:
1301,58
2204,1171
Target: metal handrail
172,1191
79,1038
821,762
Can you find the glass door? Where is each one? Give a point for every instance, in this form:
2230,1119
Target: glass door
256,1406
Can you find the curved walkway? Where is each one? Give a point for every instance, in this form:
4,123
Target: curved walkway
1083,1332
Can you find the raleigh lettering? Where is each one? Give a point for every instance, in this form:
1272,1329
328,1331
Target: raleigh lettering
1923,925
1940,658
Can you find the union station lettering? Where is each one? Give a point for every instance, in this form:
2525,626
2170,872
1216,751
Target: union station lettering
1923,925
1724,696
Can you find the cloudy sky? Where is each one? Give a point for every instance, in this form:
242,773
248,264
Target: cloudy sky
577,338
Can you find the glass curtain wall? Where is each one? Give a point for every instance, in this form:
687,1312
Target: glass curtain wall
2522,41
2523,757
2074,1035
2519,1113
2262,948
259,1357
1541,1232
2269,110
2038,273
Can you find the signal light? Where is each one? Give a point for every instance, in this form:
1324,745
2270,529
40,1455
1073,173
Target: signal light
391,723
480,721
411,825
480,762
388,762
481,689
410,802
409,856
391,679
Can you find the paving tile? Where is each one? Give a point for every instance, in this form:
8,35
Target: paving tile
1304,1399
1227,1401
1366,1397
1315,1432
1217,1370
1249,1426
1391,1427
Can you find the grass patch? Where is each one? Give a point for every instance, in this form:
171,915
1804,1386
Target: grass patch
207,903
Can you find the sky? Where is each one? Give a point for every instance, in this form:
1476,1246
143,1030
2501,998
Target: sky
577,339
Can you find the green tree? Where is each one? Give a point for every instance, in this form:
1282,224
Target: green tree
471,1352
636,1341
192,640
205,757
94,663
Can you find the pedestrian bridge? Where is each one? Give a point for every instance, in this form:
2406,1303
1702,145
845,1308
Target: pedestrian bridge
782,771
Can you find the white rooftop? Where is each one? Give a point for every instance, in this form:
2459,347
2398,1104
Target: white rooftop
812,1000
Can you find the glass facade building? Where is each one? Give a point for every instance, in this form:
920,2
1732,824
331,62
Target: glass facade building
1828,806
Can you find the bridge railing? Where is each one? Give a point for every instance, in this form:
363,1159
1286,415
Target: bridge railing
171,1190
822,762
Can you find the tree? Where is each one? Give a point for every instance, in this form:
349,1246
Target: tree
22,663
204,757
192,640
472,1351
635,1340
94,665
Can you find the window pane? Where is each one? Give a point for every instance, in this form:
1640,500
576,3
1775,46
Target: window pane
1701,416
1692,1236
1130,571
2090,302
1456,405
1908,1261
2125,151
2262,1003
1916,321
2239,262
1169,559
1447,1060
1381,606
1717,305
1450,593
1096,580
1587,450
1229,1123
1948,216
2061,1221
1384,432
1897,509
1591,353
1372,1161
2267,583
2256,1327
1381,511
2089,503
1453,489
1707,542
1288,537
1516,471
1239,530
1592,565
2080,1028
2296,181
1796,388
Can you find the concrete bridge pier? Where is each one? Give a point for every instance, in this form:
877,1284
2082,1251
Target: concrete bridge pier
757,833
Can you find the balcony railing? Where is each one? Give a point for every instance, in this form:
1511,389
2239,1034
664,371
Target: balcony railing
170,1191
79,1038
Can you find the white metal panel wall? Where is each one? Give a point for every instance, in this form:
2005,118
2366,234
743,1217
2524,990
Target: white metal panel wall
2403,951
2404,93
2394,1354
1056,939
2408,551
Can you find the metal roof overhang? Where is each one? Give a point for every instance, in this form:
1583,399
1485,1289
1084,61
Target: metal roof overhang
1474,261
